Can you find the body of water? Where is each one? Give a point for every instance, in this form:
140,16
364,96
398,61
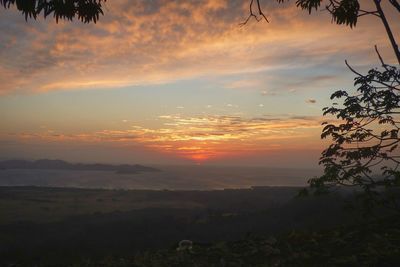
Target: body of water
170,178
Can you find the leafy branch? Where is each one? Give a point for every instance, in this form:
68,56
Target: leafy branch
85,10
365,146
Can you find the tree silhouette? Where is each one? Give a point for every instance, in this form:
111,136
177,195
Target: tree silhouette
85,10
343,12
365,142
365,151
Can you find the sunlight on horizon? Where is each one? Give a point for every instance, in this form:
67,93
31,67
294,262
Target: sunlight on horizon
174,83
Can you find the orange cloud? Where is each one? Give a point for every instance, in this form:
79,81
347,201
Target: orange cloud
151,42
208,137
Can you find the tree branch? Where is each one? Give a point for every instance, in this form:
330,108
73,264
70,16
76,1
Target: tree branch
395,4
258,18
388,29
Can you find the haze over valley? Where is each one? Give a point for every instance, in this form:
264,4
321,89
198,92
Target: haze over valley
157,177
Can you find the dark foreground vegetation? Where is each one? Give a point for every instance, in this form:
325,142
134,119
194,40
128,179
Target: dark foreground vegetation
265,226
367,244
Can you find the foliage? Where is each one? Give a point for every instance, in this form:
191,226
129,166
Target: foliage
365,151
344,12
373,243
54,226
85,10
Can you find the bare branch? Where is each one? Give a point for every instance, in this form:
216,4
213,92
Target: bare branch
258,18
396,4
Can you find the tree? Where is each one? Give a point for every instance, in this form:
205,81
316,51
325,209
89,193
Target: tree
346,12
365,150
365,143
85,10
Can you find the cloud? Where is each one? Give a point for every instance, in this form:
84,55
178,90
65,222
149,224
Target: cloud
153,42
204,137
268,93
243,84
307,80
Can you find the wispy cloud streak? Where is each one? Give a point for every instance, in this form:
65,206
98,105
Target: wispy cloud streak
205,137
150,42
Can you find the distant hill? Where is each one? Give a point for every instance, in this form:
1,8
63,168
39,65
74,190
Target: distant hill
47,164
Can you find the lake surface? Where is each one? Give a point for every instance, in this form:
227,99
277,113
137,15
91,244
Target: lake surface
170,178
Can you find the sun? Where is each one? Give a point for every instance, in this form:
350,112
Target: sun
200,157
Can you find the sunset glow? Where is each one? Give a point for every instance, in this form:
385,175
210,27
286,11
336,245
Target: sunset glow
161,81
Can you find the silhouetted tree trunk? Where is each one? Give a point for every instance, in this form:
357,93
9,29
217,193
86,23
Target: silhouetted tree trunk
387,26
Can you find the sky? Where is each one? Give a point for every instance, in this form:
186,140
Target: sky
178,82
